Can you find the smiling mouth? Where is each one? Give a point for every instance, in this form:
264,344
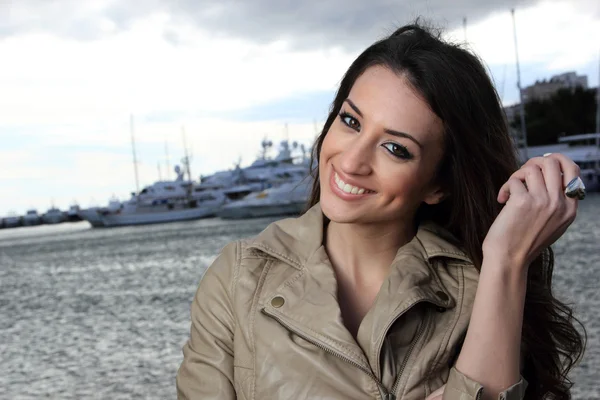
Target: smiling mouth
350,189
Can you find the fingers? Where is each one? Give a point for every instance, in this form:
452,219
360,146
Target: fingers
534,180
568,168
513,186
557,170
551,169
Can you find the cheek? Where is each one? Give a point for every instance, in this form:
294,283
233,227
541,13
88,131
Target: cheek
328,148
323,156
405,185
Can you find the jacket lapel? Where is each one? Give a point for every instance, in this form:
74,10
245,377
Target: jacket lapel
310,306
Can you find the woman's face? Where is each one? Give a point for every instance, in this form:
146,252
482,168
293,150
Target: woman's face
379,157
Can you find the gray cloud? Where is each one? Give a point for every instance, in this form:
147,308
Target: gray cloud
306,24
316,23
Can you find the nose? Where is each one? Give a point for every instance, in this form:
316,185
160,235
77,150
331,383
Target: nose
356,158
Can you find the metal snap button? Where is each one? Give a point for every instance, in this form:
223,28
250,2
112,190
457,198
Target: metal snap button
277,301
442,296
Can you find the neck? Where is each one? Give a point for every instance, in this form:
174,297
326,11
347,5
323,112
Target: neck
364,252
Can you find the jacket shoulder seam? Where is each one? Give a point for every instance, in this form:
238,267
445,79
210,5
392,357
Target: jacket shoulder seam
442,252
451,327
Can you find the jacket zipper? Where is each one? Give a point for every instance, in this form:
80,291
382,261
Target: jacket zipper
412,346
384,392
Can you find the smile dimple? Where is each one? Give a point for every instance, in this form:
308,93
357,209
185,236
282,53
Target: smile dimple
347,188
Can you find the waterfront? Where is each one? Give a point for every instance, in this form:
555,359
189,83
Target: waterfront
103,313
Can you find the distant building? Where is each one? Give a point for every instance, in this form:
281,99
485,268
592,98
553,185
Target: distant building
543,90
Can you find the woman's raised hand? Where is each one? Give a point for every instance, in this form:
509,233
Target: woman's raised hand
536,212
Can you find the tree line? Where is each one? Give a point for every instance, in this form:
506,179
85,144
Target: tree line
567,112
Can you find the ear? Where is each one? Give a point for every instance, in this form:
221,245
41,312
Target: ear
435,196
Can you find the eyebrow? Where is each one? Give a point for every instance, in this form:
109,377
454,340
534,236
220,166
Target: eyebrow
388,131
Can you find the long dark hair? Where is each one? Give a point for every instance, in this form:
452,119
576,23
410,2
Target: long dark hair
479,157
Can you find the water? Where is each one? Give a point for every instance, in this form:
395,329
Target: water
103,314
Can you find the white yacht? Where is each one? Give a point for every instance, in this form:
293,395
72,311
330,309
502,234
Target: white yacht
289,198
163,201
135,213
53,216
73,213
181,199
93,215
31,218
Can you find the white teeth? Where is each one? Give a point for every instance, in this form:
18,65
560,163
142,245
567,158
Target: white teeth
347,187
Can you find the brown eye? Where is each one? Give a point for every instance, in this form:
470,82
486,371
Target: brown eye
350,121
397,150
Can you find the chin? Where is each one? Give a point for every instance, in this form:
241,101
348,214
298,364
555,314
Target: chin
335,214
339,212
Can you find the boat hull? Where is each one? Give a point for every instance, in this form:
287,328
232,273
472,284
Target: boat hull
92,216
53,219
261,211
31,221
156,217
12,222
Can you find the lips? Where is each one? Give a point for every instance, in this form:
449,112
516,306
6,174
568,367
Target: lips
344,190
348,188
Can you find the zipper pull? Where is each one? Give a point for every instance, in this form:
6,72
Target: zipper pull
390,396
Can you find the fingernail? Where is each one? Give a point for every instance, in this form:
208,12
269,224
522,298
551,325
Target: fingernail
547,154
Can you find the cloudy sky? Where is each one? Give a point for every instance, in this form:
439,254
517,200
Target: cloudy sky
230,71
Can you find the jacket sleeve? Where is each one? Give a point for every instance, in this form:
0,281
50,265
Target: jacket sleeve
461,387
207,368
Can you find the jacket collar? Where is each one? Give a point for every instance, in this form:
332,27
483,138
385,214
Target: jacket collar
311,307
295,240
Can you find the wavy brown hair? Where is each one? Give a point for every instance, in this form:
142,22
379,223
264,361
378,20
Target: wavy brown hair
479,157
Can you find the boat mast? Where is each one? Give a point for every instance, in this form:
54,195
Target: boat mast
186,161
286,132
521,105
167,159
465,28
135,168
598,105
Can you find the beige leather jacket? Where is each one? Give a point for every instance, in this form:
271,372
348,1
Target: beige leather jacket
266,323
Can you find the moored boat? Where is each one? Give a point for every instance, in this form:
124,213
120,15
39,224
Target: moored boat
53,216
11,221
32,218
287,199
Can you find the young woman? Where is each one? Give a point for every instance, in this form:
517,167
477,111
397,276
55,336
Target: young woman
422,268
